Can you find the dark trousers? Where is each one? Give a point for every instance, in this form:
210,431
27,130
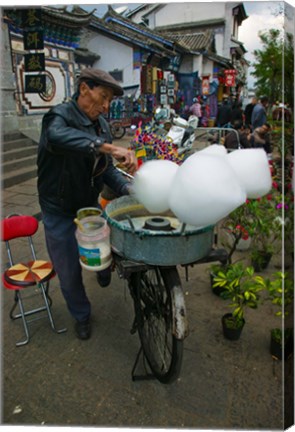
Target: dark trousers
63,252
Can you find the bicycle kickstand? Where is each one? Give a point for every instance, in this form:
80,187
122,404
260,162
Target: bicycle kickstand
147,376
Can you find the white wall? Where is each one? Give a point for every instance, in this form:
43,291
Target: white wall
183,13
115,55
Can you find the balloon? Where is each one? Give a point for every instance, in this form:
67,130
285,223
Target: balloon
205,189
152,184
252,168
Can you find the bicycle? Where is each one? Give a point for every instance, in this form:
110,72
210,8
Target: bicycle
153,279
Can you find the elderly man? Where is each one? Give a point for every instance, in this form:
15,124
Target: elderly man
74,162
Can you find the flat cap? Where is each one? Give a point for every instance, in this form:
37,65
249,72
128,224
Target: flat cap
101,77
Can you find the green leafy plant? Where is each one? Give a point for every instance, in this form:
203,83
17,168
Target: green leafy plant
280,290
242,287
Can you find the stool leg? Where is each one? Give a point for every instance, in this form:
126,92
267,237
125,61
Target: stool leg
18,300
44,289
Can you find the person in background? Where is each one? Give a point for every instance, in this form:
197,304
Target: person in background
238,139
259,115
75,160
260,138
224,113
248,111
196,110
237,114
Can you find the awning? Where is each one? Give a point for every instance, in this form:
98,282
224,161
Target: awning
131,91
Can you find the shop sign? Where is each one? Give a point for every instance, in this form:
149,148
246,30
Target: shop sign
34,62
32,18
33,40
205,84
35,83
230,77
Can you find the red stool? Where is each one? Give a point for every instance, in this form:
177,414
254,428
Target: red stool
21,276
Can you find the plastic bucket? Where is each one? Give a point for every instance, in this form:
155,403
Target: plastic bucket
93,237
88,211
211,122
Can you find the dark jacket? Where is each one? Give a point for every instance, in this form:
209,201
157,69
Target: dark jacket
248,113
70,176
223,115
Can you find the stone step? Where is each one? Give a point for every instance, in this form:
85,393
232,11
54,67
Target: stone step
18,143
13,135
19,158
19,153
18,176
16,164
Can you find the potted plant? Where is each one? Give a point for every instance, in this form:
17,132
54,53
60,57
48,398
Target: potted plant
242,287
263,229
281,293
234,229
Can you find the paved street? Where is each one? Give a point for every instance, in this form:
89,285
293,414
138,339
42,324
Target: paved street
60,380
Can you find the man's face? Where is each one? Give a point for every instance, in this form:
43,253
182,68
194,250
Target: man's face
95,101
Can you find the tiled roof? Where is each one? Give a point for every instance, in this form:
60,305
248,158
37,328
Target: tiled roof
75,18
137,34
197,41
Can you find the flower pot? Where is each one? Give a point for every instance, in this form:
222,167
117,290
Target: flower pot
231,333
261,261
276,347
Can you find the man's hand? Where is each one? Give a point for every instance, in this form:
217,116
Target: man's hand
126,157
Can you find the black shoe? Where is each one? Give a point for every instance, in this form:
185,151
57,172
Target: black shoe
104,277
83,329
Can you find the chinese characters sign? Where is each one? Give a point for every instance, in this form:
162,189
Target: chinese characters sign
35,83
230,77
33,41
205,84
32,18
34,62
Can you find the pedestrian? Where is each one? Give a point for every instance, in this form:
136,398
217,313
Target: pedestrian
223,113
248,111
260,138
196,110
74,162
240,138
259,116
237,114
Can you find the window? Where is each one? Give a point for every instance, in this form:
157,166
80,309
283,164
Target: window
117,75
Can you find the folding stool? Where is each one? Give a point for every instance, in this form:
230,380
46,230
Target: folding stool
21,276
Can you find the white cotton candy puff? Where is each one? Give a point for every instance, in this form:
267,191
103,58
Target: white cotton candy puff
252,169
215,149
152,184
204,190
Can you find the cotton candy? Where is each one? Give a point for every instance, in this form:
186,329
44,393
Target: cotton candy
152,184
205,189
252,169
215,149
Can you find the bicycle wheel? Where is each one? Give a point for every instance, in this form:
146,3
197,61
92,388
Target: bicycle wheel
154,306
117,130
